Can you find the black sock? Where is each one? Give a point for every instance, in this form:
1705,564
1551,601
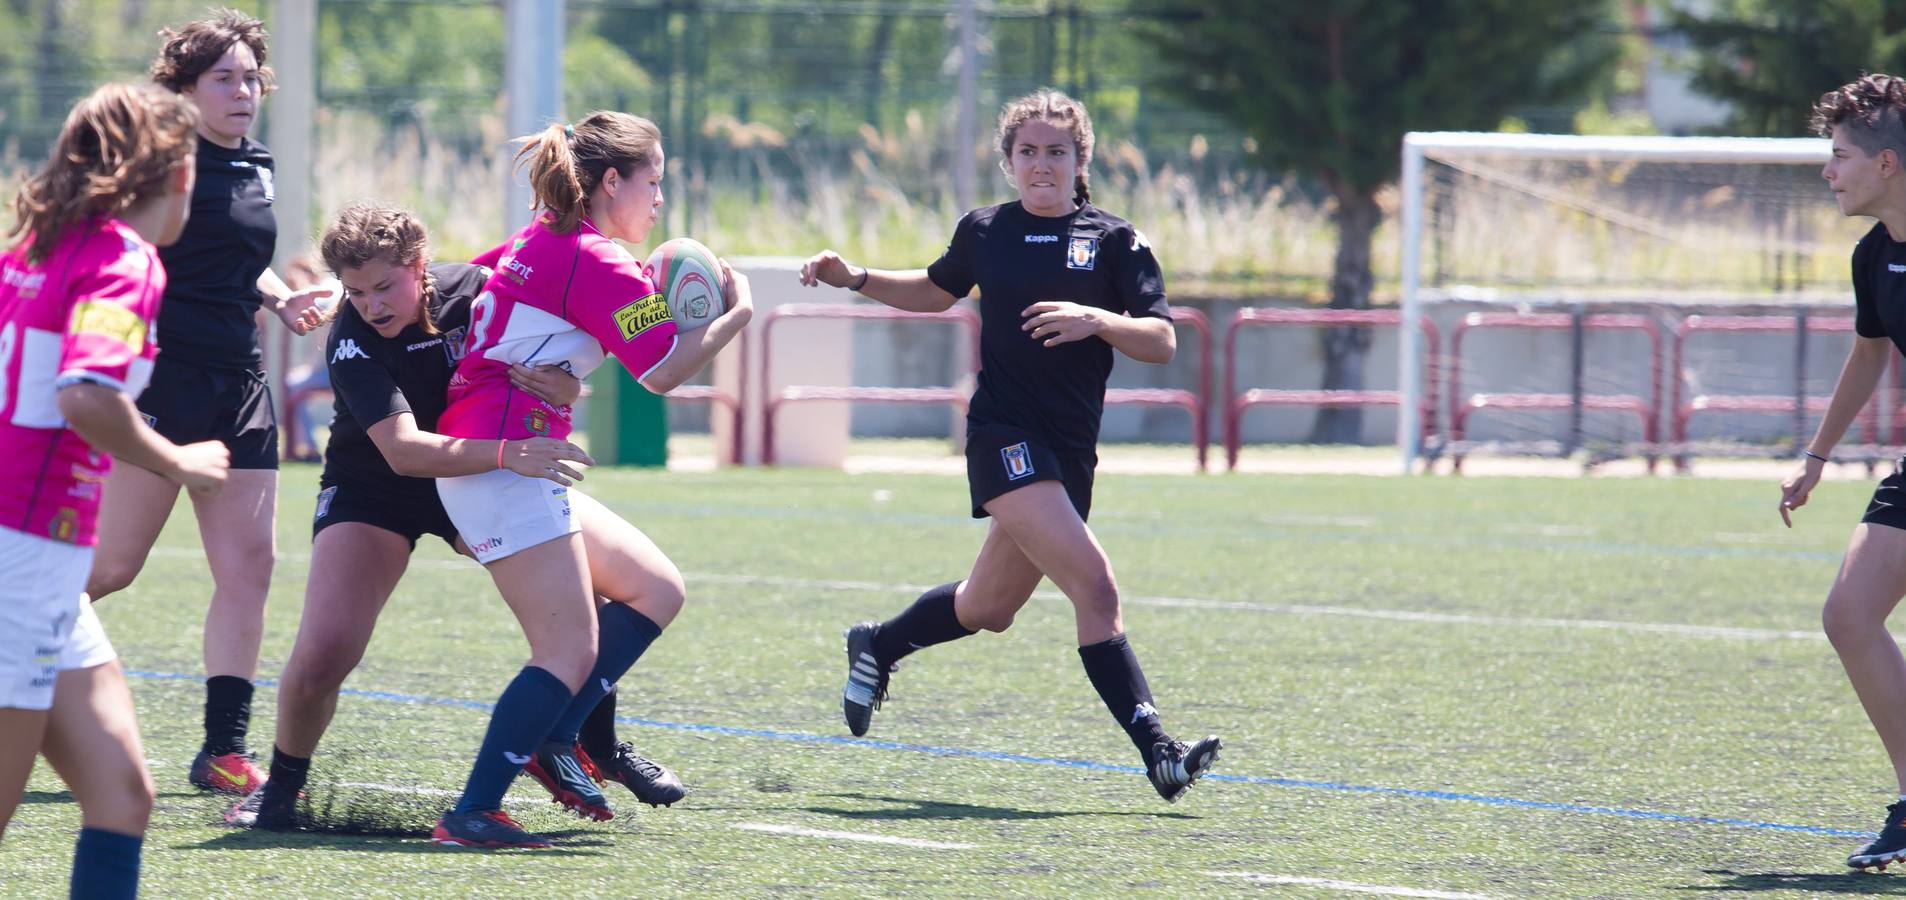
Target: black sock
227,714
1113,669
930,620
597,736
288,773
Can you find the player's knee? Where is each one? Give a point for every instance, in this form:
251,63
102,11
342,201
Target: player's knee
1845,619
124,804
322,671
994,620
110,576
571,666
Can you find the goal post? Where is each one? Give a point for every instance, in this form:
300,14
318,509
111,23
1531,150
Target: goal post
1460,150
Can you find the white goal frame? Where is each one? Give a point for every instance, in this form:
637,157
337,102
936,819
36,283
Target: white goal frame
1422,146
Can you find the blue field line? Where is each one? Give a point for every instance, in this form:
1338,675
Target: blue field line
998,756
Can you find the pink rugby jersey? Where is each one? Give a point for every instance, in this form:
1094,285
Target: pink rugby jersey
83,314
567,300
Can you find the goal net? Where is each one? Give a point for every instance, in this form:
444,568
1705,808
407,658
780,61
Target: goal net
1604,298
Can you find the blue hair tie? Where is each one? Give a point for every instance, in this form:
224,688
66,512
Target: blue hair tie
569,131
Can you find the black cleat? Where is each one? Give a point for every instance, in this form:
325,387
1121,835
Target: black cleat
263,811
650,781
866,679
1177,765
560,770
1889,847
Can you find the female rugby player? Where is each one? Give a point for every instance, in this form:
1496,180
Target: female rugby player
209,382
1867,122
590,590
78,295
1062,285
391,353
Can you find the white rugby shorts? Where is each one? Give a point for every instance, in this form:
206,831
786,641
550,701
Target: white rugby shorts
46,624
500,513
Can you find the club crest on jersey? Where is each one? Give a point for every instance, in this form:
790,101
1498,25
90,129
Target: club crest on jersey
324,501
1018,460
1082,253
537,420
63,525
453,345
641,315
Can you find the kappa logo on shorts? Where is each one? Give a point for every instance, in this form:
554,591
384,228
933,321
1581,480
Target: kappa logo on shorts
324,501
1082,253
1018,460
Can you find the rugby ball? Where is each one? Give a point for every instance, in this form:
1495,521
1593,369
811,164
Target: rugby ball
690,280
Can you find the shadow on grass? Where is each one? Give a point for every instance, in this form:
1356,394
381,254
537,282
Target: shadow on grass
1842,882
911,808
568,843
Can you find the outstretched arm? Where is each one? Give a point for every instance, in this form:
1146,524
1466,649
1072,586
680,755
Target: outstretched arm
908,290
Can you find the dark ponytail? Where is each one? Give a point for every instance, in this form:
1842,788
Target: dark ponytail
1081,192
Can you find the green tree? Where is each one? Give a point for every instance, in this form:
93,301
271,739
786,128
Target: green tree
1771,59
1328,89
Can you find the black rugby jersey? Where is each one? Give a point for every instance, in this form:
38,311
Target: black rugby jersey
374,378
1090,257
211,292
1879,287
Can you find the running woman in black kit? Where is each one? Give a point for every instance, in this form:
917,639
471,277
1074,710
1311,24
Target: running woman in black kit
1062,284
391,352
1867,122
209,381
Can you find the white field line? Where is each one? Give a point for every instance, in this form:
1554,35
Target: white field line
1351,886
852,836
1289,609
1306,609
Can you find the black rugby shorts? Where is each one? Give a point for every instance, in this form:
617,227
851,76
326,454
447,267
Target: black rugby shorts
1001,459
188,403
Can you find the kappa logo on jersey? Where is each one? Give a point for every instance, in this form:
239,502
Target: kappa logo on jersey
1042,239
324,501
641,316
111,321
1895,267
1082,253
348,349
412,348
1018,460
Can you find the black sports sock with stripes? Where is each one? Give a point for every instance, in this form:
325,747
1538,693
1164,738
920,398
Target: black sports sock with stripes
930,620
1113,669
